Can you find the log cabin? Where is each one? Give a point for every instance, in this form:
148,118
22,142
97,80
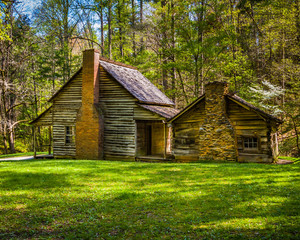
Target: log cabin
109,110
222,126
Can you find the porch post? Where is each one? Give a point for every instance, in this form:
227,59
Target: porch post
49,150
34,142
276,144
165,141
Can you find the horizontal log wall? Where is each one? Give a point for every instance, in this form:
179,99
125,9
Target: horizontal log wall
186,133
141,113
60,148
70,96
46,119
119,126
65,107
248,123
120,111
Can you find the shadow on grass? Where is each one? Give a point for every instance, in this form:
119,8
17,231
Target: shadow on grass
25,181
93,200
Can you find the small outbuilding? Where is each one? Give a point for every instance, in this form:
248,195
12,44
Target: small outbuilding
222,126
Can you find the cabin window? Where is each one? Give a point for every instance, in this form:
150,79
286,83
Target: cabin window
250,143
69,135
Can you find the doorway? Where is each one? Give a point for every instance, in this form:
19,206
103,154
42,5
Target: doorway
149,139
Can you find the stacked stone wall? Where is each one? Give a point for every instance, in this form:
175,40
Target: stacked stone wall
216,135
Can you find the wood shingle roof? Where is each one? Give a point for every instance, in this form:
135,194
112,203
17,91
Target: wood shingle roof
137,84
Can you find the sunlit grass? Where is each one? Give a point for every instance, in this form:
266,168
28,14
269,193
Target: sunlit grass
76,199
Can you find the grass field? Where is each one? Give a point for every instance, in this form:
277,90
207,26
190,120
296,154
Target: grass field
73,199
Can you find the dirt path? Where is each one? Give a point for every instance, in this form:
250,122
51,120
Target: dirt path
283,161
20,158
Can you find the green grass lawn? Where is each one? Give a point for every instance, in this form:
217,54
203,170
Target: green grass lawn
74,199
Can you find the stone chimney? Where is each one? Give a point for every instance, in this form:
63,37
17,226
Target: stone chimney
89,129
216,135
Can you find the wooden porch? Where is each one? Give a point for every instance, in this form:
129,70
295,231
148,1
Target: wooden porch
154,158
152,141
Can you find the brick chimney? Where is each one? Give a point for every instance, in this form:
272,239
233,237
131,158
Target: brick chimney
89,129
216,135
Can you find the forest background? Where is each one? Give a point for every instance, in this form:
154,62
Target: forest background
178,44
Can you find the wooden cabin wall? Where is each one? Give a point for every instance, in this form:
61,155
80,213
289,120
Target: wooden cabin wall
120,114
119,126
70,96
46,119
65,108
246,124
141,113
186,133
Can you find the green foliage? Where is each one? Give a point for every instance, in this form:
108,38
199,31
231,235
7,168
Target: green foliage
77,199
288,147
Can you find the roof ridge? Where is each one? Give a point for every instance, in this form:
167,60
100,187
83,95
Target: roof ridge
117,63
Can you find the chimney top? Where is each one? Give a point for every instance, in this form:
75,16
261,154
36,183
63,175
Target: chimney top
92,50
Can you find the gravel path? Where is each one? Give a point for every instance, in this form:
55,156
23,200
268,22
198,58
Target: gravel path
17,158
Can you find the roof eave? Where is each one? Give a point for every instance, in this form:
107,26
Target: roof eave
188,107
156,112
157,104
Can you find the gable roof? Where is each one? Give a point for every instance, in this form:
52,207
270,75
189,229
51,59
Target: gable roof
132,80
136,84
234,98
244,103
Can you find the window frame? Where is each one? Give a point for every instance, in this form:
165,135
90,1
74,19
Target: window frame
250,142
241,141
70,136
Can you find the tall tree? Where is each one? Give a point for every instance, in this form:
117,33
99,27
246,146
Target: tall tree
59,19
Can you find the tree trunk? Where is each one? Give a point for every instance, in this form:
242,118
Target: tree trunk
173,71
11,141
133,28
297,6
141,23
102,29
109,30
66,70
120,7
202,55
297,136
233,45
163,46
